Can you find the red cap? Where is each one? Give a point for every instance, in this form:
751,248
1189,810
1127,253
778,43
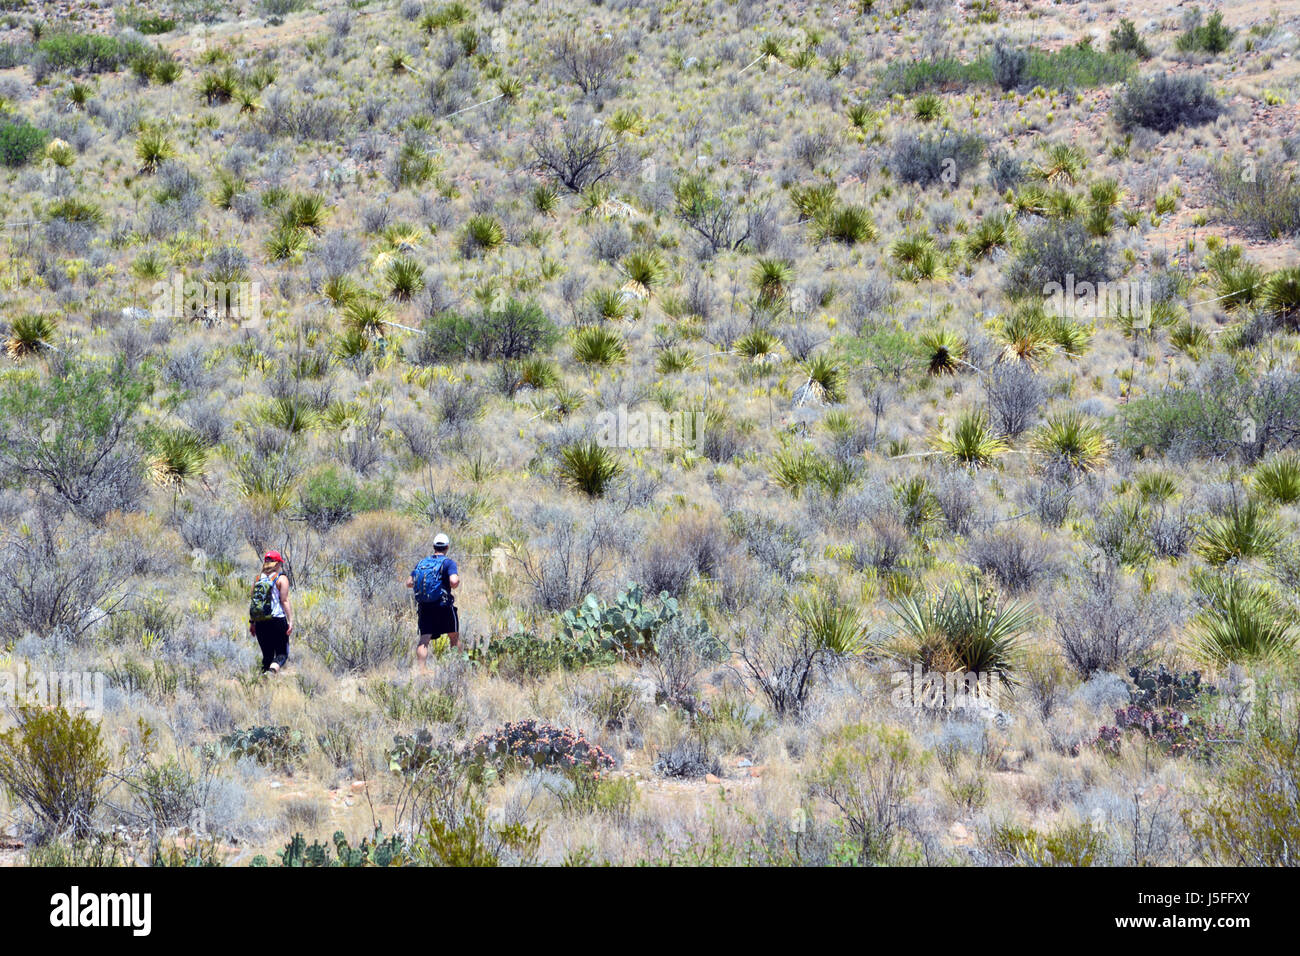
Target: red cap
274,556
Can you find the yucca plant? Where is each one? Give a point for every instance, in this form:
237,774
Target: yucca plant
538,373
1237,281
1244,532
483,233
917,503
305,212
272,481
1105,193
962,629
917,257
1278,479
628,121
1025,335
228,187
927,107
860,115
368,316
546,198
598,345
179,457
610,305
772,278
972,441
795,468
944,350
1241,622
758,345
830,624
152,149
1156,486
148,266
673,360
993,232
405,279
1281,297
1062,162
289,413
340,290
846,224
219,87
588,467
1070,337
1074,440
285,242
826,379
814,201
29,334
644,271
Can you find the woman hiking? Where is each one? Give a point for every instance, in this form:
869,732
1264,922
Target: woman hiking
270,613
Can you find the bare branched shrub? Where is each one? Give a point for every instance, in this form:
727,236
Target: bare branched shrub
578,154
1015,395
566,563
1103,622
591,64
1015,558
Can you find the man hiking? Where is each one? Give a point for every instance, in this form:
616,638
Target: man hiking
270,613
433,581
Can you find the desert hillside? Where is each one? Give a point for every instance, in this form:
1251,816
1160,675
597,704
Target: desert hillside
867,433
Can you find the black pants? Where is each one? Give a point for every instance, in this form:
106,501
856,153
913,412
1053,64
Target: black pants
273,636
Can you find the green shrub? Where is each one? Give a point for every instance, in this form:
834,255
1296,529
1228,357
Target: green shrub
55,764
1125,39
1208,37
1246,531
87,52
1164,102
962,629
277,747
20,141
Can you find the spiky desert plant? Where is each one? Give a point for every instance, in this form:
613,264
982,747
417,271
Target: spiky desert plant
917,257
588,467
1244,532
285,242
644,270
673,360
179,456
1241,621
962,629
1062,162
972,440
814,201
405,279
598,345
846,224
993,232
829,623
305,211
1278,479
1025,335
29,334
483,233
758,345
152,149
772,278
944,350
1074,440
826,379
1281,297
368,316
794,468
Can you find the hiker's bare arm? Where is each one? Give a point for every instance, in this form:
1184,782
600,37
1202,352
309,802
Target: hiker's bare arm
283,586
410,581
454,579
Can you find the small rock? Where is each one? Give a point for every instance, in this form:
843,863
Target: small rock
744,762
276,785
958,832
358,785
711,778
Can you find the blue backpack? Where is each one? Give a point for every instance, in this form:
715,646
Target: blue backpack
429,587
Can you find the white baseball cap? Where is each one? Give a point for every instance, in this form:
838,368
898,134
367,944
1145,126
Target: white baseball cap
441,541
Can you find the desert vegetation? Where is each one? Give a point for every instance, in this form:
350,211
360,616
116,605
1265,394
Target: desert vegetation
868,435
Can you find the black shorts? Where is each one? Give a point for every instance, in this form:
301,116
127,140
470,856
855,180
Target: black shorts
438,620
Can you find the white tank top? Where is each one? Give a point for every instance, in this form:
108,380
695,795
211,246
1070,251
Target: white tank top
276,609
